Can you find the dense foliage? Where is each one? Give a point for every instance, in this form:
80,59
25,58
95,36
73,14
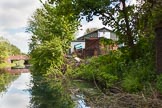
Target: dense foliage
52,31
49,94
5,79
7,49
134,24
114,70
130,68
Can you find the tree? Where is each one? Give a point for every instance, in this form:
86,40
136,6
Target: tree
7,49
89,30
129,21
52,30
118,14
115,13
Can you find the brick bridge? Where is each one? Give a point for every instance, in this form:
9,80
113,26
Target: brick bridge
10,59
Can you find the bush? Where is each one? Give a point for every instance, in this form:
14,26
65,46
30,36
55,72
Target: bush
131,84
137,74
117,68
102,69
159,83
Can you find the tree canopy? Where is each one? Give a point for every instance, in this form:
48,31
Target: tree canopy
53,27
57,21
52,31
7,49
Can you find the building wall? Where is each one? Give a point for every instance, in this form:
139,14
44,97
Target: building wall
104,34
90,35
100,33
92,47
113,36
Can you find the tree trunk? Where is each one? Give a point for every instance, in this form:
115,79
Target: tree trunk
158,31
129,38
128,32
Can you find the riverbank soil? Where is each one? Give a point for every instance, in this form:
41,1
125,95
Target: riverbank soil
94,98
122,100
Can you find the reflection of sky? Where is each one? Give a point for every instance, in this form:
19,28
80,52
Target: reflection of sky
17,95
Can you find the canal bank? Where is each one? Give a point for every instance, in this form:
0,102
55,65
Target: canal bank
20,94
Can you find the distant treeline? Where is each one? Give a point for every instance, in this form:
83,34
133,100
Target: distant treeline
7,49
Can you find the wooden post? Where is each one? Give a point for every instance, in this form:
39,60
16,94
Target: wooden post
158,31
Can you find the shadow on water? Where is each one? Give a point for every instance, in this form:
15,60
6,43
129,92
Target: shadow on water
81,90
52,94
49,94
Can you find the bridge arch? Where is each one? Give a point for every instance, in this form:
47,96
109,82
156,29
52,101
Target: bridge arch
17,57
13,58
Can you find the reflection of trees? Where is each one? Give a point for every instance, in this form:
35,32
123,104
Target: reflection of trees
49,94
5,79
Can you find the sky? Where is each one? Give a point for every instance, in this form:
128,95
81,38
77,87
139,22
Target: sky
14,15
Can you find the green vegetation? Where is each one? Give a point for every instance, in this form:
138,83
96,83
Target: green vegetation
5,79
18,64
49,94
159,83
113,70
130,68
133,66
6,49
52,30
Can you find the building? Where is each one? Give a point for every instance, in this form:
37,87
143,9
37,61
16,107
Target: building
102,32
91,44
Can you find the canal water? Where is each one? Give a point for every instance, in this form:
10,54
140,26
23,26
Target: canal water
18,95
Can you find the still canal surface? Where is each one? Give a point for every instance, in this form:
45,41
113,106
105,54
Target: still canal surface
17,94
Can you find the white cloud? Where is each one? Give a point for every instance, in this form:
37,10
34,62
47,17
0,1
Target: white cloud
14,15
19,39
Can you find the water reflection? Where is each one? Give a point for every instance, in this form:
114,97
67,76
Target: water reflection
42,94
49,94
16,71
14,94
17,95
53,94
5,79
